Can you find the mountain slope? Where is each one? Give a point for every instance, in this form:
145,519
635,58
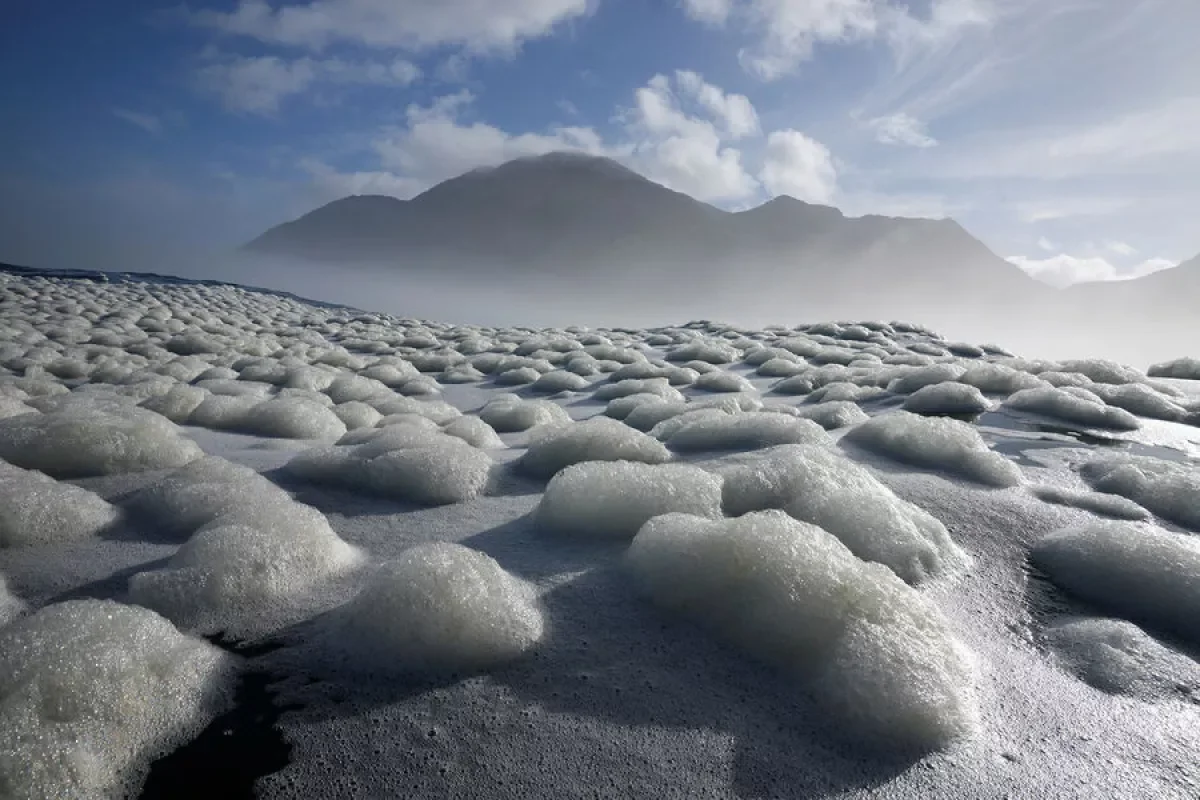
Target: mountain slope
585,225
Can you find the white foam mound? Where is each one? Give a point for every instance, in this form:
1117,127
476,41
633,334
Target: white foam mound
177,403
91,691
1105,505
746,431
194,495
722,381
613,499
834,414
935,443
37,510
551,448
792,595
438,608
993,378
819,485
1182,368
246,572
947,398
1118,657
104,440
1070,407
1142,573
511,414
11,606
559,381
12,407
1166,488
915,378
444,470
291,418
474,431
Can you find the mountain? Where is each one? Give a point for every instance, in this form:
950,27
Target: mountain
580,224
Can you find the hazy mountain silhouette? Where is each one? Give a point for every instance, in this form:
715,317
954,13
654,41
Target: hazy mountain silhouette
574,223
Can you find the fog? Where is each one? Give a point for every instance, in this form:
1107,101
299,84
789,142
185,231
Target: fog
1062,324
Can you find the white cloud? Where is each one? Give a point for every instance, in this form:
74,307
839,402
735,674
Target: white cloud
1046,244
258,85
798,166
332,183
147,122
1065,270
477,25
680,132
1120,248
711,12
1056,208
901,129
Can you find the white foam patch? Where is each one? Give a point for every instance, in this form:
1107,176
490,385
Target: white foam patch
189,498
1105,505
91,691
1002,379
291,418
818,485
621,407
834,414
1118,657
625,388
511,414
613,499
11,606
1140,399
914,378
935,443
36,510
12,407
357,414
474,431
1142,573
436,609
551,448
100,440
445,470
722,381
744,431
248,571
947,398
1080,409
560,381
1167,488
178,403
1181,368
791,594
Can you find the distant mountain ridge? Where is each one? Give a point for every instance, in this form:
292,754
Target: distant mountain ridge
582,218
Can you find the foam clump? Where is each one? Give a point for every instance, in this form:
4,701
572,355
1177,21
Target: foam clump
552,448
1105,505
745,431
91,691
820,486
834,414
1079,407
11,606
1167,488
185,500
559,381
919,377
935,443
512,414
81,441
947,398
38,510
438,608
245,572
1144,574
291,418
444,470
1118,657
789,593
613,499
1003,379
474,431
1181,368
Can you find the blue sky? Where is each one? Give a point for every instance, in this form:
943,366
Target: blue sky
144,134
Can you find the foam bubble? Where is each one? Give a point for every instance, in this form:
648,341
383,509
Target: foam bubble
613,499
554,447
792,595
437,608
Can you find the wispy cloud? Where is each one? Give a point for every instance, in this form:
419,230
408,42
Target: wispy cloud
1066,270
901,129
150,123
